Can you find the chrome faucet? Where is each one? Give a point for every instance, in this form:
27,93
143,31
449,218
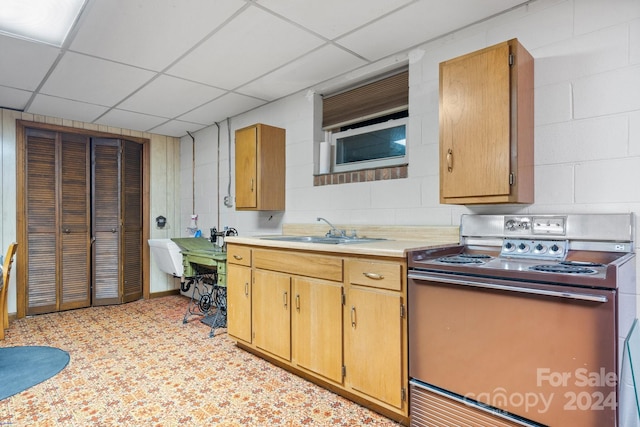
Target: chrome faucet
334,231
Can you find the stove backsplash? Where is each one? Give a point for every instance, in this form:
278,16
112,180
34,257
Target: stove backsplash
616,231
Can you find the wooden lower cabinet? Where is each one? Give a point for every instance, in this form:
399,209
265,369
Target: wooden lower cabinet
239,301
373,345
271,313
336,320
316,332
375,330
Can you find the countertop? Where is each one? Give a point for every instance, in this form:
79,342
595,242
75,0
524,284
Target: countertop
386,248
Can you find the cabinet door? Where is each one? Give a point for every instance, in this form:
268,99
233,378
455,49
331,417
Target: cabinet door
271,313
317,326
246,167
475,124
239,302
373,344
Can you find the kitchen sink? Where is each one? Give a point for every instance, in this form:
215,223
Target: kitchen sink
328,240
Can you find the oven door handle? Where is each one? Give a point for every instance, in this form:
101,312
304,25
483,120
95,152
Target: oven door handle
545,292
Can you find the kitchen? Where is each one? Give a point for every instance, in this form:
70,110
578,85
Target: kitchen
587,137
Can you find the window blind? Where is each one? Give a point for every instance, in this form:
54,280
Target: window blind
385,96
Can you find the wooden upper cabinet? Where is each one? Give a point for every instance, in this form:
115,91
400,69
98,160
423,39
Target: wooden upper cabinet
260,168
486,126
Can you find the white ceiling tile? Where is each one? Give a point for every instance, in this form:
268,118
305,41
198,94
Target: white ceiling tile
169,97
130,120
65,108
131,55
418,23
333,18
149,34
84,78
176,128
24,64
318,66
253,44
15,99
226,106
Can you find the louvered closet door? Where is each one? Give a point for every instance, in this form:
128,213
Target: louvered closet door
132,221
106,221
117,221
40,209
75,255
57,208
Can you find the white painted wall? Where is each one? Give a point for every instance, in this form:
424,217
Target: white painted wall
587,128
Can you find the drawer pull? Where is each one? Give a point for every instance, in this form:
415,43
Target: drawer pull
298,302
238,257
353,316
374,276
284,299
246,288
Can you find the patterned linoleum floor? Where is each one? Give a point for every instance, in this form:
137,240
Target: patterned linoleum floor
137,364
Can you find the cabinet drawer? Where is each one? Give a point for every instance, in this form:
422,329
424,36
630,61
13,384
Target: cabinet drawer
238,255
375,274
299,263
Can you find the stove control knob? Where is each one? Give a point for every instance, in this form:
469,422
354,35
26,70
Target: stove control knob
554,249
522,247
539,247
508,247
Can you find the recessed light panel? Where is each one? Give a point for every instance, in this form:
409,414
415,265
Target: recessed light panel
46,21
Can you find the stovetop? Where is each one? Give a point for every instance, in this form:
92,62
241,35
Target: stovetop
581,250
592,269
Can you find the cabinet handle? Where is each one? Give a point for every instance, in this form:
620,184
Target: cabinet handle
238,257
252,185
449,160
114,230
353,316
374,276
246,288
298,302
67,231
285,299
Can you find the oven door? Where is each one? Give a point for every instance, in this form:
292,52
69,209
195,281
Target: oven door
542,352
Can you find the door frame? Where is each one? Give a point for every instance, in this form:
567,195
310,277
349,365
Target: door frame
21,225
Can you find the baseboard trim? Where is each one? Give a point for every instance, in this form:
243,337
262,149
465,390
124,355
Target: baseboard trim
164,293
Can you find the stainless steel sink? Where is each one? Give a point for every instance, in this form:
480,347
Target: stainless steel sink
327,240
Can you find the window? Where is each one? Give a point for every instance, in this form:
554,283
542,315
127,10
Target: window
367,125
371,146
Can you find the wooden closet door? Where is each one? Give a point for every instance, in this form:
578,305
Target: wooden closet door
40,209
57,207
132,221
106,220
74,237
117,221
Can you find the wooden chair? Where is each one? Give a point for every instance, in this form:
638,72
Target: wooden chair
6,271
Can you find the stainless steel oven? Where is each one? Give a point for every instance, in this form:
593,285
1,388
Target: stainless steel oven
520,323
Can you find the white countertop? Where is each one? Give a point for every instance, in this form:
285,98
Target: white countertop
386,248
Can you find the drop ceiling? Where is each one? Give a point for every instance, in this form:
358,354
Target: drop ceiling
172,66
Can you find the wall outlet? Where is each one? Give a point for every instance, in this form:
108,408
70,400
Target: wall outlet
228,201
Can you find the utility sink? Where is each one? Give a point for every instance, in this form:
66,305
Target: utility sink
327,240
